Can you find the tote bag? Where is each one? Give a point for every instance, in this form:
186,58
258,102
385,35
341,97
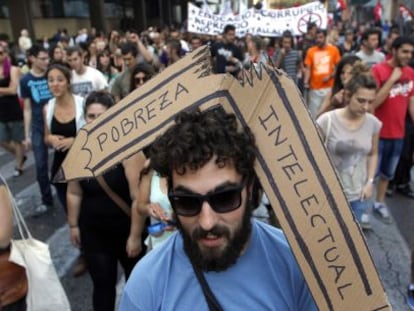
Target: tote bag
45,291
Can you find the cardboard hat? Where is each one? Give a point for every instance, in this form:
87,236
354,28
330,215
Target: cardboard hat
292,165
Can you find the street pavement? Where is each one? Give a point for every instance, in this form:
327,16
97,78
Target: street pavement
388,243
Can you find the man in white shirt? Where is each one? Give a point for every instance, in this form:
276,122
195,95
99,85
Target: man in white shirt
85,79
369,43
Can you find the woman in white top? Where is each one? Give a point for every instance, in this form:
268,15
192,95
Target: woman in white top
351,137
153,202
63,117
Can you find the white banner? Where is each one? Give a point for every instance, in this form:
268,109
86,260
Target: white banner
269,23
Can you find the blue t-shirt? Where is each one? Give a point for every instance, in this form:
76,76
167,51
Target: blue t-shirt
265,277
37,89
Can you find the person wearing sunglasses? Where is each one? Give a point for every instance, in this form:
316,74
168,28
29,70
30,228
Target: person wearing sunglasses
208,161
140,74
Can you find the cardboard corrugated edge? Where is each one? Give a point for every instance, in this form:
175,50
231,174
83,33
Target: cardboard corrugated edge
292,166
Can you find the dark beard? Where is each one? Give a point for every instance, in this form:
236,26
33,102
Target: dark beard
216,260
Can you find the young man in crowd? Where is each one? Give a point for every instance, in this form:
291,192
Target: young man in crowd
370,41
320,62
35,93
288,58
85,79
227,56
208,160
133,52
395,80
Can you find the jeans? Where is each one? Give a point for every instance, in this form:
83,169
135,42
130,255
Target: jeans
40,152
359,207
389,152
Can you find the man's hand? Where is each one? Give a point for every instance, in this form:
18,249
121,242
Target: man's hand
134,38
396,74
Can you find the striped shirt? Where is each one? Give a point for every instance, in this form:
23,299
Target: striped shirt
289,63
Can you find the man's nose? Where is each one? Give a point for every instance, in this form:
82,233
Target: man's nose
207,217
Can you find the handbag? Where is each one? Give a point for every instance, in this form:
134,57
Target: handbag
13,281
114,196
45,292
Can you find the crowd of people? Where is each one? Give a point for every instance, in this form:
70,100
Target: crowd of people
356,82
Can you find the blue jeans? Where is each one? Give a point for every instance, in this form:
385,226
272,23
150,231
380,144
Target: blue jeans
40,152
389,152
359,207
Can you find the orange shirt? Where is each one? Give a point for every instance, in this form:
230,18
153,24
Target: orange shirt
322,63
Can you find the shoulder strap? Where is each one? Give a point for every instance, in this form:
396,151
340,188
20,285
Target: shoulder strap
212,302
114,197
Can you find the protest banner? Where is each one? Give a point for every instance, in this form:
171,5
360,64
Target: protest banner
292,165
270,23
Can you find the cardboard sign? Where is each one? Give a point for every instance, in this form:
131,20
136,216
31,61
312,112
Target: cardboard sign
270,23
292,166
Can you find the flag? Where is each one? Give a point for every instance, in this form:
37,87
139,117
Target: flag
378,11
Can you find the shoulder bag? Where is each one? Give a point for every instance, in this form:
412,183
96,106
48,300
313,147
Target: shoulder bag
114,196
45,292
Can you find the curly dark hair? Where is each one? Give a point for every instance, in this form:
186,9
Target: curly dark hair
197,137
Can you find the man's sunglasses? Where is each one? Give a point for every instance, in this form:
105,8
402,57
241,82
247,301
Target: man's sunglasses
221,201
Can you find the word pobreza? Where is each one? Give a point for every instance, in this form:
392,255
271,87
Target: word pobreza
292,166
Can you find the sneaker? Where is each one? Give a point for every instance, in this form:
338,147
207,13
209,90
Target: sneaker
17,172
365,223
381,211
406,190
410,298
390,191
41,209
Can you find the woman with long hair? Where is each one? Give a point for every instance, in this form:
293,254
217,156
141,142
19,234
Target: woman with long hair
334,98
140,74
57,55
351,136
104,65
63,117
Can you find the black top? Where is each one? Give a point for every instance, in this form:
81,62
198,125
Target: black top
222,51
10,109
104,225
67,130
